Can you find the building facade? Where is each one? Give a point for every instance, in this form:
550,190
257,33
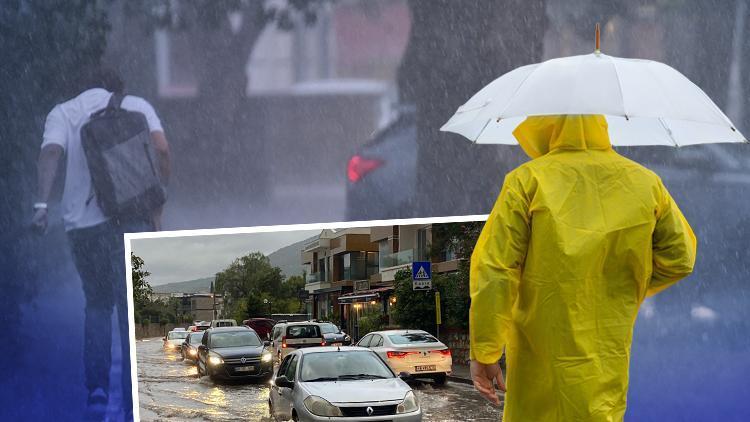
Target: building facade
351,272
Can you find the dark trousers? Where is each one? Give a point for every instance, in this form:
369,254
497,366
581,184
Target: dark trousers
99,254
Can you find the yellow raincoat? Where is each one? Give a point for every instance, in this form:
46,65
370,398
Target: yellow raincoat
577,239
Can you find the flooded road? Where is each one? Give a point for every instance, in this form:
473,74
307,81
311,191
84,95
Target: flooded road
170,389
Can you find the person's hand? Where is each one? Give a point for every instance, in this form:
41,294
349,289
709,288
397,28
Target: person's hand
39,221
484,376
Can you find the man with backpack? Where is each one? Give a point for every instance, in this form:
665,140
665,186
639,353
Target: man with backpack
116,167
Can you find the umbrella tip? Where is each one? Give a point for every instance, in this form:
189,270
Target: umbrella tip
597,36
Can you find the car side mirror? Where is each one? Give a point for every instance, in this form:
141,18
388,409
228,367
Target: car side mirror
266,343
282,381
202,347
404,375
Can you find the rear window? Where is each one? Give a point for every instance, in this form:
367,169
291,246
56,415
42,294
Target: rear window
242,338
412,338
302,331
329,328
174,335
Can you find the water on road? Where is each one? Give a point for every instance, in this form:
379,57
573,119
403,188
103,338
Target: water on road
170,389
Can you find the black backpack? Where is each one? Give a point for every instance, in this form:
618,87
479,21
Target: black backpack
122,161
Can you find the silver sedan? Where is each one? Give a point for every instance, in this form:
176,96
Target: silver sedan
345,383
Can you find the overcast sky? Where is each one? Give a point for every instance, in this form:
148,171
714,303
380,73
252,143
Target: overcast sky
173,259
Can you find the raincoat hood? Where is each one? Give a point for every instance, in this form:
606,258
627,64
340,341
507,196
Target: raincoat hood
539,135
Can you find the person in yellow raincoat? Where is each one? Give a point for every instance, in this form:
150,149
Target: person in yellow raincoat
577,239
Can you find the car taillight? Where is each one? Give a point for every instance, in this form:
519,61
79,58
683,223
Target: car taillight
359,166
283,342
392,354
444,352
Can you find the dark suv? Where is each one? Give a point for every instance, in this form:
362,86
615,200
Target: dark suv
234,353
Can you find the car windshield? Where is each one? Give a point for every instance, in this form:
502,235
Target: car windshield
412,338
175,335
235,339
302,331
329,328
197,337
343,366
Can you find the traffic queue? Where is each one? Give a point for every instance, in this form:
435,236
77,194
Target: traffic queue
314,370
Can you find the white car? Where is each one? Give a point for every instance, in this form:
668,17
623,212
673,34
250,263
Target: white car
286,337
172,342
340,383
223,323
416,352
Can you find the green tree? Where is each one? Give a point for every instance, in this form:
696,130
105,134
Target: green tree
250,281
417,309
142,290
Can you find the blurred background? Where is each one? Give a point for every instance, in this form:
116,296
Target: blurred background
292,111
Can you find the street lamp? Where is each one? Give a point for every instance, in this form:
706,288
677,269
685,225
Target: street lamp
268,302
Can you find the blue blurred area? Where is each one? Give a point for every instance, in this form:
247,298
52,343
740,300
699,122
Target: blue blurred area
42,367
690,358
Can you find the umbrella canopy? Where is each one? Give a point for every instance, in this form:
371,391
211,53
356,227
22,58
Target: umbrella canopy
645,102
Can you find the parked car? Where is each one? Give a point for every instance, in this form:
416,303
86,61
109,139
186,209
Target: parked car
223,323
333,335
414,351
289,336
345,383
387,161
262,326
189,349
172,342
234,353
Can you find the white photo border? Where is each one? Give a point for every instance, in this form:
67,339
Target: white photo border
249,230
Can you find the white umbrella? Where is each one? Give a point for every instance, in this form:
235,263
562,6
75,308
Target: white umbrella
645,102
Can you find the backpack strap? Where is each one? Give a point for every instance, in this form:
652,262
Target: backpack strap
114,104
115,101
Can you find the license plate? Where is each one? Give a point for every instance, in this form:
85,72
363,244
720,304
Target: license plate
424,368
337,344
244,369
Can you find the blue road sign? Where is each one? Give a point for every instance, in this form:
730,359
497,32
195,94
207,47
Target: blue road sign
421,274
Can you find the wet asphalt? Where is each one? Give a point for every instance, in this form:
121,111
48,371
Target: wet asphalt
169,389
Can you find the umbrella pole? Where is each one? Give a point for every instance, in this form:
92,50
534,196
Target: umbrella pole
597,51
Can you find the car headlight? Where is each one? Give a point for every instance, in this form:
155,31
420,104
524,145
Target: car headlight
266,357
319,406
410,404
192,352
215,360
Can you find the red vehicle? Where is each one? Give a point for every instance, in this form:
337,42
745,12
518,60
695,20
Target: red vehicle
262,326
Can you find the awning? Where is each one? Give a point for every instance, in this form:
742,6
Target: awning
364,295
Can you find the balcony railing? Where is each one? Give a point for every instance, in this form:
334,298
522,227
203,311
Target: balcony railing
398,258
315,277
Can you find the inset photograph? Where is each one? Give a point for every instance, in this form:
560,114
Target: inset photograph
306,322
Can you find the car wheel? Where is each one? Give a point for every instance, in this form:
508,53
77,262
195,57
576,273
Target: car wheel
440,379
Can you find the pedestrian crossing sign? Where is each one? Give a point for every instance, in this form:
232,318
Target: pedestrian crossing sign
421,272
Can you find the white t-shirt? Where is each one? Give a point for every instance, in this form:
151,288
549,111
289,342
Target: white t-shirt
63,127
